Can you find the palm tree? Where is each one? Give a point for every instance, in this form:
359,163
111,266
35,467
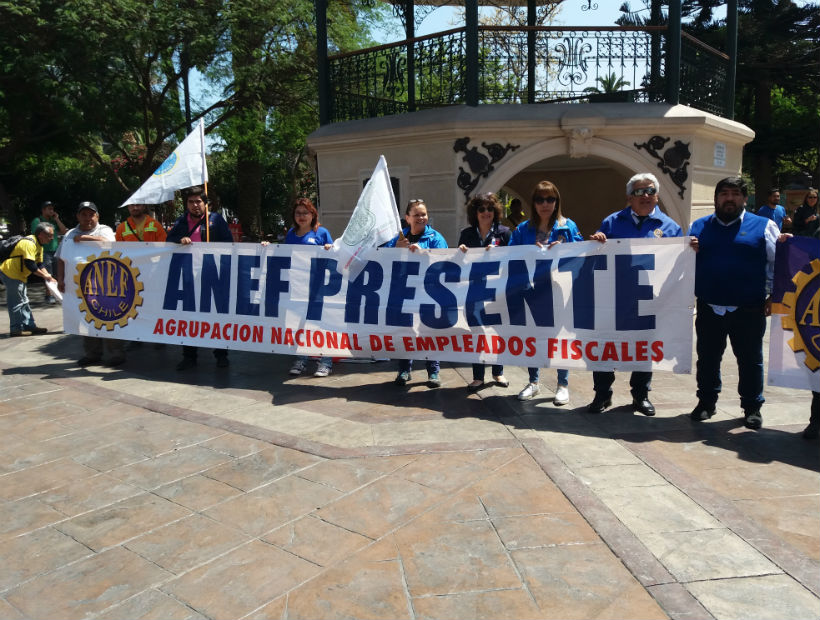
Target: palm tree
609,84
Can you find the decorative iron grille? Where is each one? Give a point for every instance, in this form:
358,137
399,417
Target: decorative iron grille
570,66
703,74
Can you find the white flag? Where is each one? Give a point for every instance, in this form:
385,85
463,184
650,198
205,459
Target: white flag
375,220
185,167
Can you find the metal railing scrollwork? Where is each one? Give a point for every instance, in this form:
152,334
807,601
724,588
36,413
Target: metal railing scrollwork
577,65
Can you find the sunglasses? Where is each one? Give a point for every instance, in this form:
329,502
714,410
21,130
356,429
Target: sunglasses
483,209
641,191
542,199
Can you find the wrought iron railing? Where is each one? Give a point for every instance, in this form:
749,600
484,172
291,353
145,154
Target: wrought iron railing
523,65
703,75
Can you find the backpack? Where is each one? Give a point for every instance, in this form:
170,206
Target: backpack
7,246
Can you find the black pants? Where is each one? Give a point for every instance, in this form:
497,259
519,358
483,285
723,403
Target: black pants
191,352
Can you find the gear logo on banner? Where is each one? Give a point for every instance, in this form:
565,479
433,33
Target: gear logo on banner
803,315
110,289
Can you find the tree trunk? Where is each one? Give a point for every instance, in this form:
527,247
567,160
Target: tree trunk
762,156
249,193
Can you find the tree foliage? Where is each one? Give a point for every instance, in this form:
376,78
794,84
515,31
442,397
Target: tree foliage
107,84
778,72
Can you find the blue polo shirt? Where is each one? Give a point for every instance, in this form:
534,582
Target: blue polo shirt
621,225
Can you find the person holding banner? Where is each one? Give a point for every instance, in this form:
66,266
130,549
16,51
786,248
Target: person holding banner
483,213
194,226
640,219
733,283
546,228
419,235
306,231
26,258
89,229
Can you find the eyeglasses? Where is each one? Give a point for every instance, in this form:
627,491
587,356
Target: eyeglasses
542,199
416,201
483,209
641,191
811,197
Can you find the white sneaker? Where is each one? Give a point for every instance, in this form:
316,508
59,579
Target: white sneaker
561,395
322,370
298,368
528,392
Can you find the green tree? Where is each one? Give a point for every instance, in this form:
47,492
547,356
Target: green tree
98,81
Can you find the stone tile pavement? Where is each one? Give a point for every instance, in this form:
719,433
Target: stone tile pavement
143,492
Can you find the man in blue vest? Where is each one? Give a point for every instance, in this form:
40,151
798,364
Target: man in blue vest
733,280
642,218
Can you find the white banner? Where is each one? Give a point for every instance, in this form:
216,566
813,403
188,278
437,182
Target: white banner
185,167
626,304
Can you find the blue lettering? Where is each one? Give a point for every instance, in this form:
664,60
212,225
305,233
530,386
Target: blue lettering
628,292
245,285
180,284
537,293
478,293
583,270
216,283
442,295
399,291
274,284
358,291
319,288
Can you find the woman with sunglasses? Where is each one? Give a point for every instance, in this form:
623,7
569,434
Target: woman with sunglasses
484,231
806,219
546,228
419,235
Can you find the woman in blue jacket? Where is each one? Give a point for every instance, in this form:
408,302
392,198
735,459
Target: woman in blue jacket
419,235
546,228
306,231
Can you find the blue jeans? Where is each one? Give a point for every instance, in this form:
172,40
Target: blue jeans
327,361
745,328
407,366
640,381
478,371
563,375
17,301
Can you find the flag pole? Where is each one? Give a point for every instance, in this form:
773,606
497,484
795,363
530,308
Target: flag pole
207,216
204,174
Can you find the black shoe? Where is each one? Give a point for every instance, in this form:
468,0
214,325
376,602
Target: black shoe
753,419
812,431
642,405
222,362
599,403
88,361
702,412
186,363
37,330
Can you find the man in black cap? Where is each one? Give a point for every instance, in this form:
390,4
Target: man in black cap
49,214
26,258
89,229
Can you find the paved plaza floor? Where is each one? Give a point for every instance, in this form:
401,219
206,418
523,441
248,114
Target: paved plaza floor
144,492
